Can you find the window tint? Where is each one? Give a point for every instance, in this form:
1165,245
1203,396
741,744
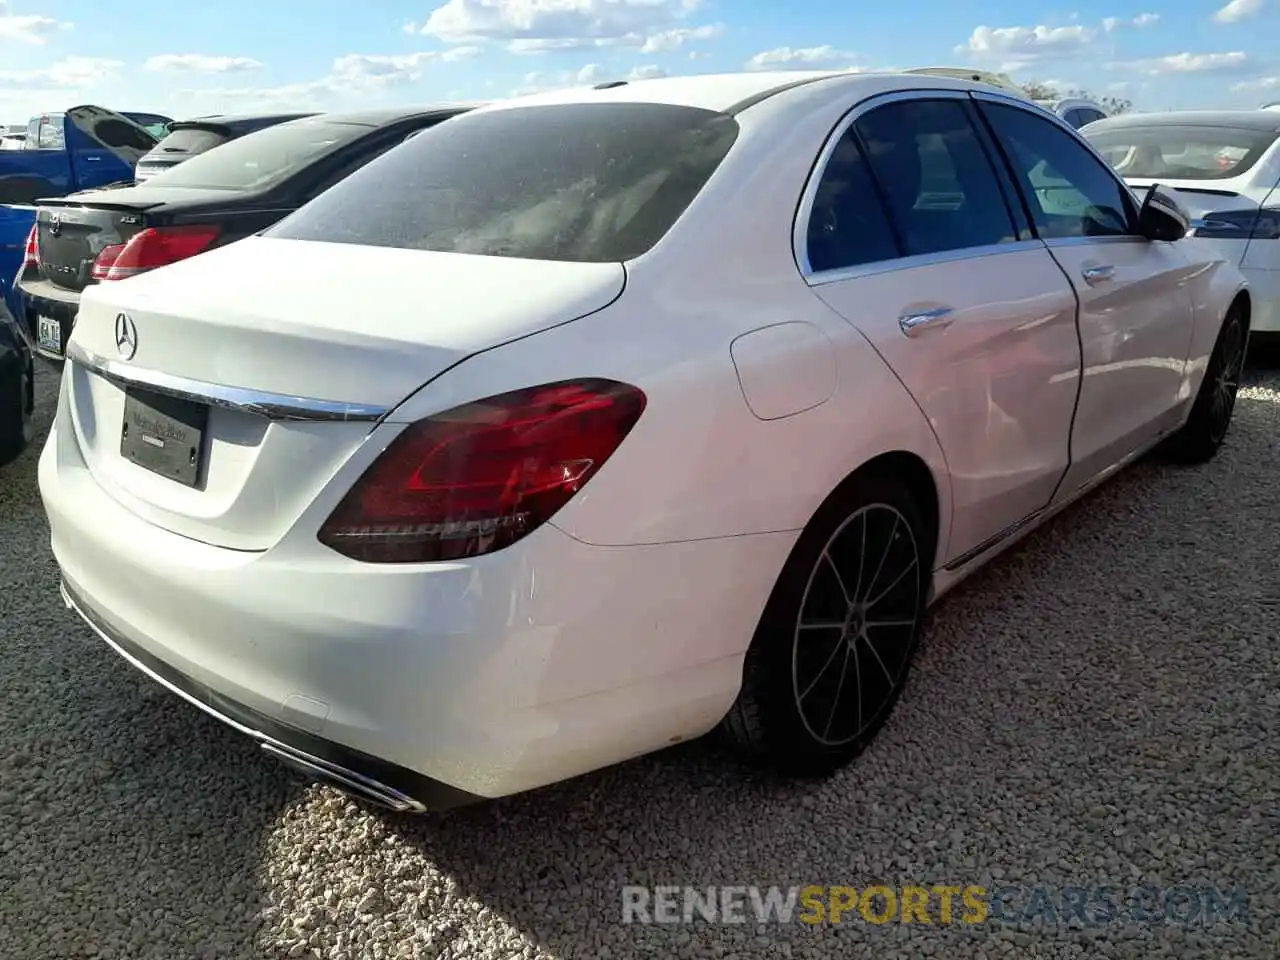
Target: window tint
941,189
1089,116
1075,118
847,225
1070,192
263,158
592,182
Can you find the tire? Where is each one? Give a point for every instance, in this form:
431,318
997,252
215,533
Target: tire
822,675
17,410
1206,428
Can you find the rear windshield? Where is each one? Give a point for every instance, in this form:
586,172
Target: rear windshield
573,182
262,158
1181,152
190,141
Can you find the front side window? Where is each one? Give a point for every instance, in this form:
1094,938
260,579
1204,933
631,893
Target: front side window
1070,192
1181,152
937,179
579,182
52,135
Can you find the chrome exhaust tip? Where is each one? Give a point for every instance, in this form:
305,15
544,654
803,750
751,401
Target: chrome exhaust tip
347,781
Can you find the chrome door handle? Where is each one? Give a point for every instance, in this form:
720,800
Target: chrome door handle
1098,274
914,324
91,159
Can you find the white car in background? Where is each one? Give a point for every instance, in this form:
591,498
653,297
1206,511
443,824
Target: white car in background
1224,167
1075,110
585,423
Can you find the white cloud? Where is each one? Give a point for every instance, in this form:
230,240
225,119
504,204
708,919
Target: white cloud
1233,62
28,28
70,72
1261,83
1238,10
667,40
200,63
460,21
788,57
1112,24
647,72
547,26
1018,46
591,73
352,76
664,41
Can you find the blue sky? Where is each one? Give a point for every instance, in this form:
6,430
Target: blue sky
243,54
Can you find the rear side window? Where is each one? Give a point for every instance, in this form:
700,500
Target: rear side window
847,223
263,158
578,182
939,183
189,142
1075,118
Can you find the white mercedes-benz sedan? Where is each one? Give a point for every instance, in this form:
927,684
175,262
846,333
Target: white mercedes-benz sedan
594,421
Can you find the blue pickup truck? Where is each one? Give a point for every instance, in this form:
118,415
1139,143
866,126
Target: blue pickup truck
82,148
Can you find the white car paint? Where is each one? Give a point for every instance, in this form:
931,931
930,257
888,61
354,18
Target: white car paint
621,625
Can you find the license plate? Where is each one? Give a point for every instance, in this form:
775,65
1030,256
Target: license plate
49,334
164,435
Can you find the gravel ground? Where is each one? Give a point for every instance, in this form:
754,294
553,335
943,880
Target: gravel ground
1101,706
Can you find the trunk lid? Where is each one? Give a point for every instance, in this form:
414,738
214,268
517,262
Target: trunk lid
301,321
74,229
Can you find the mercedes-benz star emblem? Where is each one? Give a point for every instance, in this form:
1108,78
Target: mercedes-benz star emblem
126,336
55,225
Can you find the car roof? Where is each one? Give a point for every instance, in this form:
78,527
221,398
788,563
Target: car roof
735,92
1260,120
384,115
230,118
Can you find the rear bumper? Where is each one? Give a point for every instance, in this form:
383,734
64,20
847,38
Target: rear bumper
1264,289
357,773
40,298
435,682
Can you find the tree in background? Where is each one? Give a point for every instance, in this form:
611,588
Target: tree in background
1041,91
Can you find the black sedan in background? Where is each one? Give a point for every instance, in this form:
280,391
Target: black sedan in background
213,199
185,139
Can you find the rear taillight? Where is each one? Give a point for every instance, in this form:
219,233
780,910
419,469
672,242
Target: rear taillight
479,477
151,248
1261,224
31,257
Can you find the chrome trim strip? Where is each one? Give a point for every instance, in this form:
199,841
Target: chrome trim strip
823,277
359,783
272,406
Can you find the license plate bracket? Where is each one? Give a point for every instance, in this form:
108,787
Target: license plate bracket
164,434
49,334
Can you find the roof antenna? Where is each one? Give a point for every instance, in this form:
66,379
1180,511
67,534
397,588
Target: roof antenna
609,85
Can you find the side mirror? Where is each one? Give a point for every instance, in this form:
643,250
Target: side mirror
1162,217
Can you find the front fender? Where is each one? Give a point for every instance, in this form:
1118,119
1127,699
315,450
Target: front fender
1214,288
